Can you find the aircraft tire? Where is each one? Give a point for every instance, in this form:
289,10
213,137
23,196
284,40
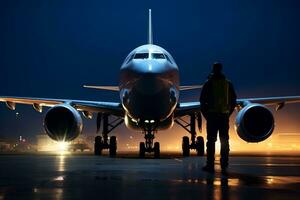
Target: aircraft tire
185,146
113,146
200,146
98,145
156,150
142,150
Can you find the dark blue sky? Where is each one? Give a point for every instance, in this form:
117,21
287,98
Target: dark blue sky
51,48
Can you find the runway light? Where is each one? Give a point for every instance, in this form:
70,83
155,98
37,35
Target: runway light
59,178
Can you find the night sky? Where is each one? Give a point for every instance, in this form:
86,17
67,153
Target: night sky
51,48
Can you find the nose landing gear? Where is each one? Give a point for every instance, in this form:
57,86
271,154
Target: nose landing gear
148,146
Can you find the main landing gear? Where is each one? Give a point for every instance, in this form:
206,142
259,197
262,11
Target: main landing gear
197,143
103,142
148,146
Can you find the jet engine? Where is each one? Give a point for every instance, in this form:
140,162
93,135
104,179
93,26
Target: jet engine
63,123
254,123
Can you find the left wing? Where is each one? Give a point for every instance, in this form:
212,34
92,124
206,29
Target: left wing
111,88
190,87
192,107
80,105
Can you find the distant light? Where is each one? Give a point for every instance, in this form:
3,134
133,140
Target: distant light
59,178
270,144
152,121
146,121
133,120
63,147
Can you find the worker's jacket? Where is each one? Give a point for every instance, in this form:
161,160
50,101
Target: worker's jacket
217,96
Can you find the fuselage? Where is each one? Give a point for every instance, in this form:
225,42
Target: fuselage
149,87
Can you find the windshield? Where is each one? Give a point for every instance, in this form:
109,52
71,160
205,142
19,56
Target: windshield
168,59
158,56
141,56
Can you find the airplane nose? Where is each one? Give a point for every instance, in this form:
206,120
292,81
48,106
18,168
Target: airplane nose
150,83
150,67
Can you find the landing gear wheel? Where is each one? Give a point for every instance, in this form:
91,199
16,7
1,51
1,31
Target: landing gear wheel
98,145
156,150
200,146
142,149
185,146
113,146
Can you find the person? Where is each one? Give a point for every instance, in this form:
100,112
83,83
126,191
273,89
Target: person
218,100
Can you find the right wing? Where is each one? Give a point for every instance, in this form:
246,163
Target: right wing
187,108
113,108
271,100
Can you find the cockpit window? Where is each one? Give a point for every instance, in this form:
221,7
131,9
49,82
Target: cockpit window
141,56
130,58
158,56
168,59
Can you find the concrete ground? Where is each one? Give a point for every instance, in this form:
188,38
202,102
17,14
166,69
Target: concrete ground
127,177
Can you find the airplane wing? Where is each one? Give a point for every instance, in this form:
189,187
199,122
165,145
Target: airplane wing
116,88
113,108
271,100
187,108
192,107
111,88
190,87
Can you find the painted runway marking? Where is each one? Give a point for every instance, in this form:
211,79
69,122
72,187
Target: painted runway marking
178,160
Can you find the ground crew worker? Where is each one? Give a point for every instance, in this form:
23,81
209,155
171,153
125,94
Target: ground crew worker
218,100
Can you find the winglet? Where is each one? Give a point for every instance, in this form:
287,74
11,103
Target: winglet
150,34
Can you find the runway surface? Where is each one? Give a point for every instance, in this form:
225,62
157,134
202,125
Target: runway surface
172,177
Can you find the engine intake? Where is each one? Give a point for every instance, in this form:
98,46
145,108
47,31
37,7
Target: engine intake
254,123
63,123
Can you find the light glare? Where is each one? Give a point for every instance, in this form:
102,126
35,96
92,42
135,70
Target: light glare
62,147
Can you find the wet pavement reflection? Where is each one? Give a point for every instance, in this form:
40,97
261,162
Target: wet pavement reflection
90,177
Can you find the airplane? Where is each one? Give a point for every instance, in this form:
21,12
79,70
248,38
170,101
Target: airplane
149,91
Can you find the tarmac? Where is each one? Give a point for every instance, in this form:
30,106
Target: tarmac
128,177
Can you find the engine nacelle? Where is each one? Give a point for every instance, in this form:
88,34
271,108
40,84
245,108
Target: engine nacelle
254,123
63,123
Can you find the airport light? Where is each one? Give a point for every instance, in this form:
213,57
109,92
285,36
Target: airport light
135,121
63,147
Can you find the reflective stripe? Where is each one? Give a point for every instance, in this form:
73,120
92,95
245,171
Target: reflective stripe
220,96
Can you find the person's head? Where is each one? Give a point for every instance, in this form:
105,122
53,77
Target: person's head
217,68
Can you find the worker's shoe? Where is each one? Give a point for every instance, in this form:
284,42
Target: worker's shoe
208,168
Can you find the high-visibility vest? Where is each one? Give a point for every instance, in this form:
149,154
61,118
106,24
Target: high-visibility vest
220,96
